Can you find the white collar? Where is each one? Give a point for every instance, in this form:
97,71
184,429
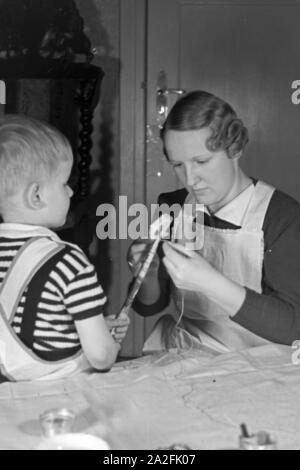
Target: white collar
9,230
234,211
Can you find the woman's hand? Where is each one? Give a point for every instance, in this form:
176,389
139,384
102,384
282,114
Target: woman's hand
118,326
191,271
188,269
137,254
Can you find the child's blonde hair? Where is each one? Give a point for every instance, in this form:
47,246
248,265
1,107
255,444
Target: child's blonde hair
30,150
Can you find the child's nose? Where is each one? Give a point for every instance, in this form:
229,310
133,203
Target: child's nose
70,191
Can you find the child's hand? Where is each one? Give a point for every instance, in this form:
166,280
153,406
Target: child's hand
118,326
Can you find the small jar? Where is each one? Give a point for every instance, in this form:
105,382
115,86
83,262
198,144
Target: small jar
259,441
57,421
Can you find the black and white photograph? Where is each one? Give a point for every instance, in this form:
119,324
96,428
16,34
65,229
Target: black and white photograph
149,227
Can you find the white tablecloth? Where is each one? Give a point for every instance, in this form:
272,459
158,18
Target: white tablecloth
156,401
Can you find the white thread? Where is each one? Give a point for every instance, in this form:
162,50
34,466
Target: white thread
188,336
182,309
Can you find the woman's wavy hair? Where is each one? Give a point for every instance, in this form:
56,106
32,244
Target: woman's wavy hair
199,109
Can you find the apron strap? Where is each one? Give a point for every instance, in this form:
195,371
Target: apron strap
29,259
255,214
33,298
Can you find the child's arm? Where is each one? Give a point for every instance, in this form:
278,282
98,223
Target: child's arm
97,343
84,300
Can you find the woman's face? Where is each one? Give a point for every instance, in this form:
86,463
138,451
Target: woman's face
212,177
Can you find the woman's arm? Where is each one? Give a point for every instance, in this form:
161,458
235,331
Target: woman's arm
275,314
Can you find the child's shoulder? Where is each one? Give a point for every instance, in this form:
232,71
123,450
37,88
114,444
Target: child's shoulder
72,252
62,257
65,266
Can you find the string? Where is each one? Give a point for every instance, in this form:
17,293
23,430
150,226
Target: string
177,330
182,309
189,338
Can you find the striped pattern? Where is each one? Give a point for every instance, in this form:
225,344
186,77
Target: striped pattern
72,292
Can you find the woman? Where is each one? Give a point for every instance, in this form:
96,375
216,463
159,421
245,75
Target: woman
242,288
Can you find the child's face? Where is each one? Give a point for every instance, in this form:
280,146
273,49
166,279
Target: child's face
57,194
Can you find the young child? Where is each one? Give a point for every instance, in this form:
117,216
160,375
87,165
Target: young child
51,303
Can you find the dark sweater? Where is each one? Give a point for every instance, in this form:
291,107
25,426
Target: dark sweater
274,314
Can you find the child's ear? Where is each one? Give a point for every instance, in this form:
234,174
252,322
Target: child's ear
33,197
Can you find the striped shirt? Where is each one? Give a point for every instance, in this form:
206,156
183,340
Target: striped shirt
64,290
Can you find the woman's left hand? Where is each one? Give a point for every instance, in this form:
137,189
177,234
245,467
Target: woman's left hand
187,268
118,326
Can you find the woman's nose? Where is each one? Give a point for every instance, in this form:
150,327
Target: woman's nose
190,176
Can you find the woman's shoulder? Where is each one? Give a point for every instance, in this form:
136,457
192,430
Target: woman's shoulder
283,215
284,205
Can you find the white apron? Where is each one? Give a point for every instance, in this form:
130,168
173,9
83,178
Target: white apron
238,254
18,362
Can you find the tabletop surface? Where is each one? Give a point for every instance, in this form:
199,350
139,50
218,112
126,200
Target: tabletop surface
193,398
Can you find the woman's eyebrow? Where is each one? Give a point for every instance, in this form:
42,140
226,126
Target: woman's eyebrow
203,155
196,157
